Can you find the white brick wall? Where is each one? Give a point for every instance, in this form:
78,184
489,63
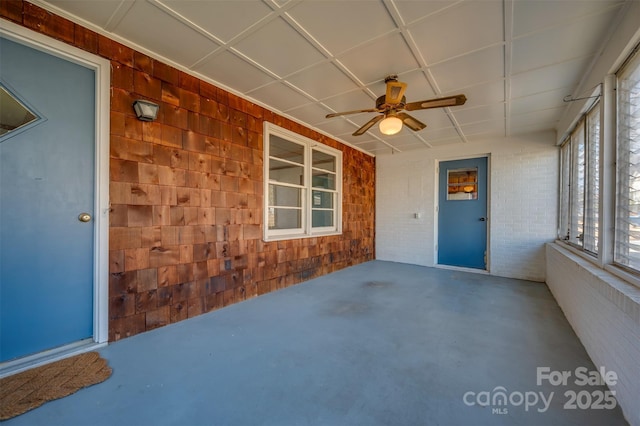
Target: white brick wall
604,311
522,202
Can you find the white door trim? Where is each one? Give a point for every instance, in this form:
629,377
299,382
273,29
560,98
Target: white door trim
102,69
436,212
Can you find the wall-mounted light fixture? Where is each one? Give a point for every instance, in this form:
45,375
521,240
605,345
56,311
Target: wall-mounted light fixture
145,110
390,125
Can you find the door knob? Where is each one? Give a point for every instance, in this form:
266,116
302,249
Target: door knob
84,217
482,219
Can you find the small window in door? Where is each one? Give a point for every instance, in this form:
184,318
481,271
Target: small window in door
462,184
14,114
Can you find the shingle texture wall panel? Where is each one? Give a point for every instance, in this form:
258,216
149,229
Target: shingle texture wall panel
186,192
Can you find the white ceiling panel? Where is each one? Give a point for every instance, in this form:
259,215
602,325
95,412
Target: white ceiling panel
483,113
404,140
376,60
99,12
482,94
445,141
234,72
539,101
375,146
543,118
412,11
414,147
485,128
478,67
279,95
365,139
312,113
585,34
463,28
279,48
548,78
340,25
152,34
433,118
531,16
430,134
245,13
358,140
306,58
322,81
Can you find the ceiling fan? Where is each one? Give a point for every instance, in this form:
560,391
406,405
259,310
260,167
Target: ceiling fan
391,105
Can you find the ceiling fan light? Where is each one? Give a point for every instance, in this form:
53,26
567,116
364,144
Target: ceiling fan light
390,125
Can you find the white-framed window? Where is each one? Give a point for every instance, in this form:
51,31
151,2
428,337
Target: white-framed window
303,186
577,188
592,189
627,208
580,183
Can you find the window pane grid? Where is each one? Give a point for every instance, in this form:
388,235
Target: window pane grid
576,228
283,196
565,161
286,150
284,160
323,179
593,180
289,185
323,161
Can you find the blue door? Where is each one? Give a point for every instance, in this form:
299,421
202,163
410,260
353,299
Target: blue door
46,183
462,213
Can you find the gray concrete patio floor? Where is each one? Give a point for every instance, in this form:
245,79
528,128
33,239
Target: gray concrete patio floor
376,344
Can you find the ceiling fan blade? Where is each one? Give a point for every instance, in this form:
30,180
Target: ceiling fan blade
437,103
395,92
336,114
368,125
411,122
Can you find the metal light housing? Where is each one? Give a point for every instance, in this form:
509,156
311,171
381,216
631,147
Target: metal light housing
145,110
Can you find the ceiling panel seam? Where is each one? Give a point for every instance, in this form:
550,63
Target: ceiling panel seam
118,15
508,56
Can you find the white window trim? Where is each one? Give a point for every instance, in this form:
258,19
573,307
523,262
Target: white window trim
306,231
568,150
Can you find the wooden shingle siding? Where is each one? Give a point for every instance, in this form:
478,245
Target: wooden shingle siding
186,192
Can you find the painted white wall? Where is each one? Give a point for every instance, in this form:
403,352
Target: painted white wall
523,182
604,311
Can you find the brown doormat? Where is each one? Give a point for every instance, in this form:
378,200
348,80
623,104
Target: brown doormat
32,388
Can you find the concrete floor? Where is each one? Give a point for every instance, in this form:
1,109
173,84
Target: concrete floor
377,344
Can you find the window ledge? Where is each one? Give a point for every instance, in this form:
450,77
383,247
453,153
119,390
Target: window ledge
298,237
609,283
621,273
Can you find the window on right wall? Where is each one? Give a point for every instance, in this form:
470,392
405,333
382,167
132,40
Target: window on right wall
599,200
627,209
580,183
